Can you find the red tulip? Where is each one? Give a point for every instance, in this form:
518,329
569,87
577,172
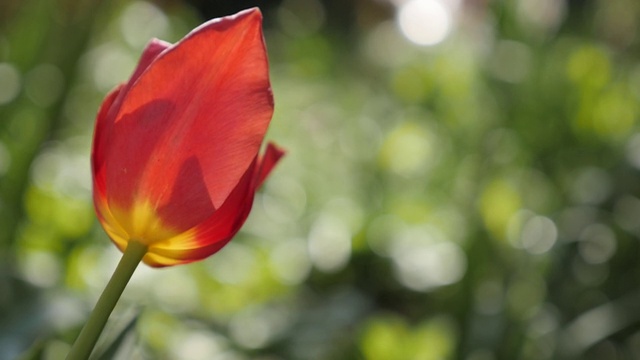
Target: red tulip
175,151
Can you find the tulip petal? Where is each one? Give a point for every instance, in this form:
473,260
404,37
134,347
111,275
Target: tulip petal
97,151
194,97
151,51
213,234
111,105
174,158
272,155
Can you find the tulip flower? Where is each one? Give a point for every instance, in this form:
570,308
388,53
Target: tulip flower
175,150
175,157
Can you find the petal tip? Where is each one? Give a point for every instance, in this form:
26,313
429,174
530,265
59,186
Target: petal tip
271,157
156,43
276,150
250,12
251,15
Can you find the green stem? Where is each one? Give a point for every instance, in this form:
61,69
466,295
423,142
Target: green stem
88,337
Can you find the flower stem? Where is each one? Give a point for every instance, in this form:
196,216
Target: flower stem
88,337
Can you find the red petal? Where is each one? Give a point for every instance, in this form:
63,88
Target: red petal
154,48
205,101
97,153
270,158
213,234
111,103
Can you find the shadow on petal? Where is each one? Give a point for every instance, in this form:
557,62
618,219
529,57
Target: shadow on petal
131,149
189,203
213,233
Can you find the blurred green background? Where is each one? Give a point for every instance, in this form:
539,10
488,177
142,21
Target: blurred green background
463,182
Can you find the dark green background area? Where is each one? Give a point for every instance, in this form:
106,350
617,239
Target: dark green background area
478,199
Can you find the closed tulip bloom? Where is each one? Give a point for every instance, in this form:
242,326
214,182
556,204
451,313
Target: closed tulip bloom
175,155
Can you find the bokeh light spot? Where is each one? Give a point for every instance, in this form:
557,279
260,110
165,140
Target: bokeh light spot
256,327
41,268
9,83
626,212
498,202
592,186
424,268
597,244
329,243
109,64
290,261
385,45
198,345
409,150
235,264
541,15
423,259
539,234
424,22
589,67
181,296
44,84
142,21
